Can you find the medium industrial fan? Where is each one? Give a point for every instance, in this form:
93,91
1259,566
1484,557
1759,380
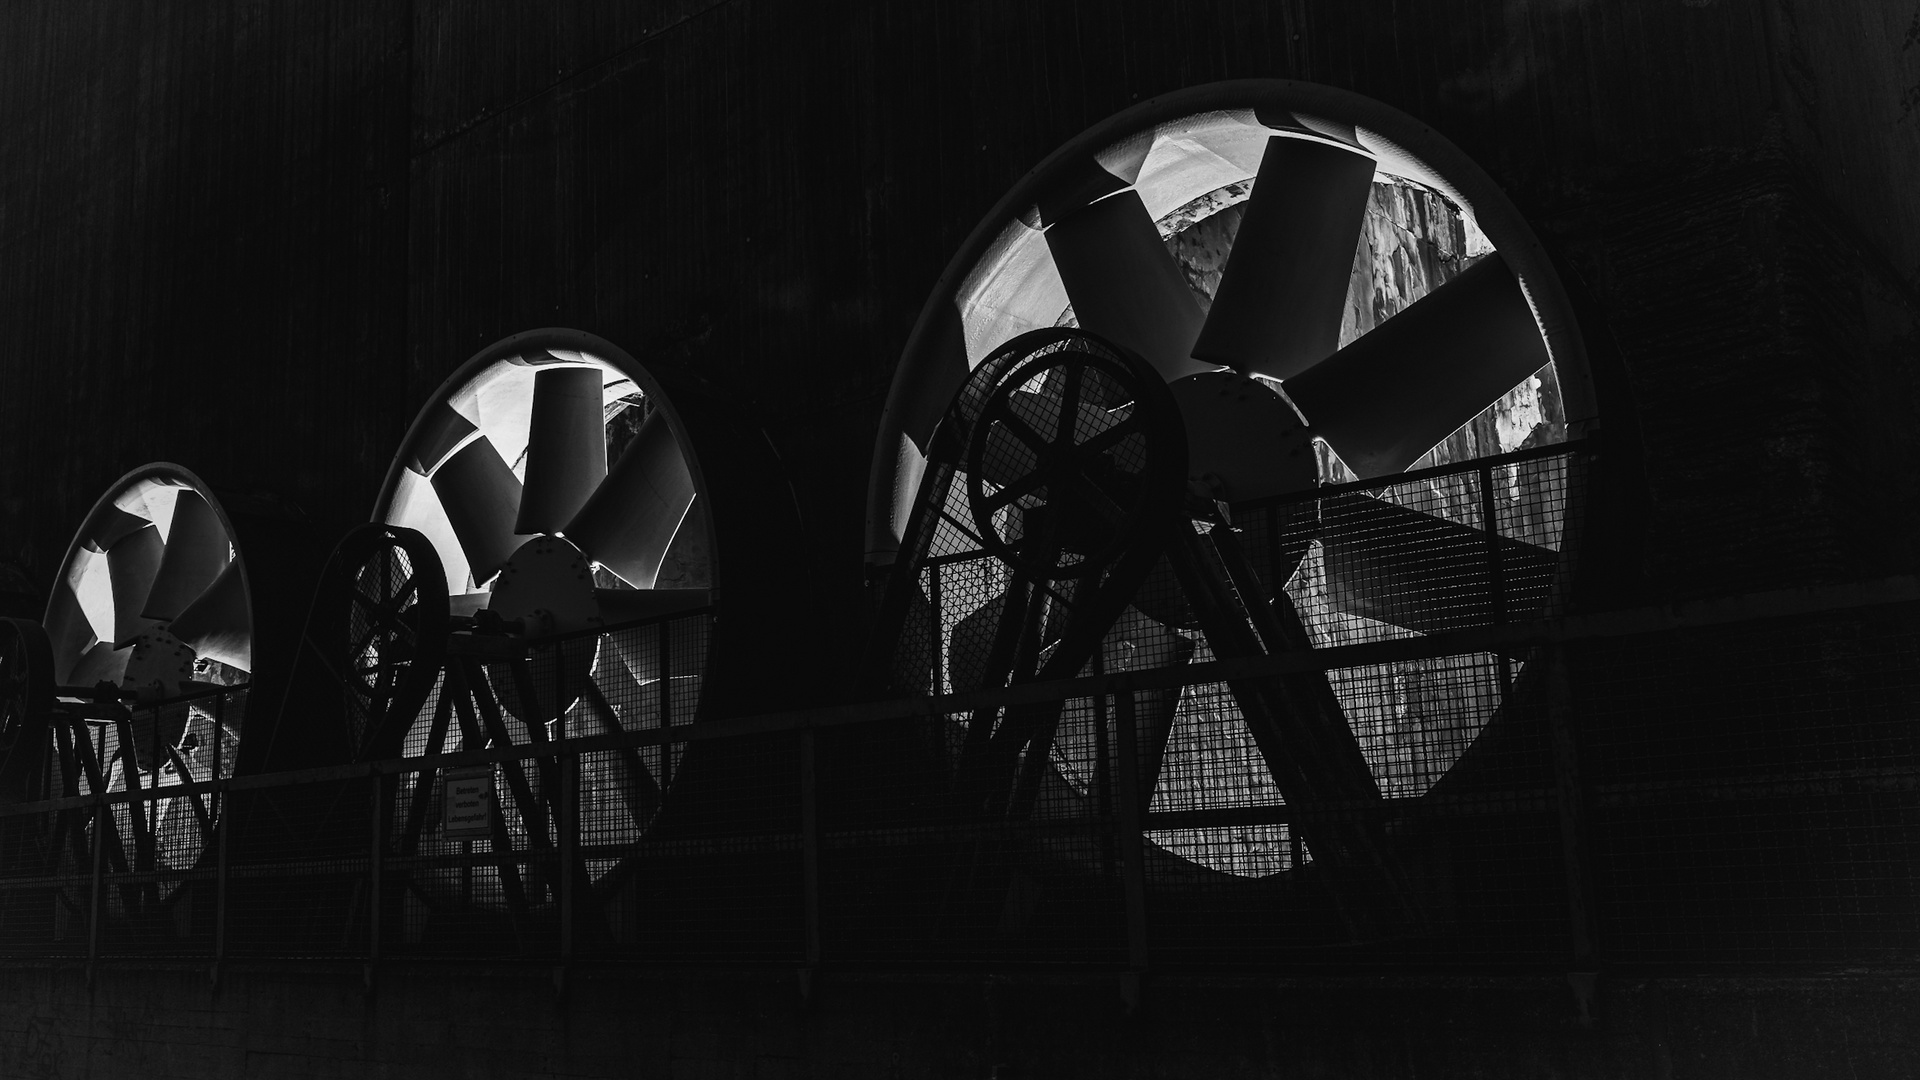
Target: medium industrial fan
541,567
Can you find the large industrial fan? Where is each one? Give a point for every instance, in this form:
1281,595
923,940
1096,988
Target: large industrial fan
136,681
1335,299
542,566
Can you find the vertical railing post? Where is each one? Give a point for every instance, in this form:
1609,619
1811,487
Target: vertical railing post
1496,574
568,828
666,674
153,804
809,855
95,893
218,800
1132,844
1570,798
936,631
376,860
220,878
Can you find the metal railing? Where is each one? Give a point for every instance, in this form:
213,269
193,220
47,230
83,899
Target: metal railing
1721,782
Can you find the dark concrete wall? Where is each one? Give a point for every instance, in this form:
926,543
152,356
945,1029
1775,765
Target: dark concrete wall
157,1024
253,237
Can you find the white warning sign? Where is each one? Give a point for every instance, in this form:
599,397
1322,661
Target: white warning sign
466,803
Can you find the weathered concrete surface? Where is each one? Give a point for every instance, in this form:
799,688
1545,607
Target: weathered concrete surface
155,1023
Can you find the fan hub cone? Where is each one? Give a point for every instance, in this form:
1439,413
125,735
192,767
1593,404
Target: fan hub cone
548,585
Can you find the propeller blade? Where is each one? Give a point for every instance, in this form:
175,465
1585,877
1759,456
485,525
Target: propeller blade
1397,565
566,448
482,500
628,523
688,563
468,604
132,563
1277,310
219,622
111,525
441,432
101,663
1138,643
1124,285
68,631
1385,400
619,606
971,663
196,552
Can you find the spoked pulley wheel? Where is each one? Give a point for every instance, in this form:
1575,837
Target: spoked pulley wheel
392,593
1059,461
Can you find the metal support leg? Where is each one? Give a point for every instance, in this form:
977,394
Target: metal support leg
1133,851
1571,800
376,863
810,852
220,880
98,885
568,828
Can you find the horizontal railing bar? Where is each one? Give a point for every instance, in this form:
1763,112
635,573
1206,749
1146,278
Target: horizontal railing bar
1685,615
1586,446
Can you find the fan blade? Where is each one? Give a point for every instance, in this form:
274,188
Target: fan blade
219,622
971,661
1385,400
69,632
1124,285
441,432
109,525
619,606
566,448
1277,309
101,663
468,604
1397,565
629,522
688,563
1139,643
132,563
196,553
482,499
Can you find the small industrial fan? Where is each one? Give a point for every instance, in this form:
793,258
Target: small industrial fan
137,680
1334,297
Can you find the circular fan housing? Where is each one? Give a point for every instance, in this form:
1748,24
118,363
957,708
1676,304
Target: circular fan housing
152,606
152,598
557,485
1335,293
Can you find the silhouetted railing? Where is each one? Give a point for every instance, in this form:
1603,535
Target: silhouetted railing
1733,781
